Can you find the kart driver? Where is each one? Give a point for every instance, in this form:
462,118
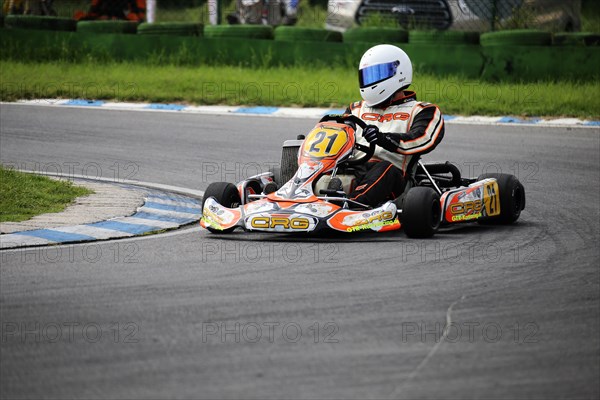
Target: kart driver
401,127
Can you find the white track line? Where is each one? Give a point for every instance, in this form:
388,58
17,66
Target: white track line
435,348
181,231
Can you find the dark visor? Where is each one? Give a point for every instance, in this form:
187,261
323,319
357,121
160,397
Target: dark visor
377,73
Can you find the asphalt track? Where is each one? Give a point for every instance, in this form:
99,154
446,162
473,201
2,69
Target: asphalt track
191,315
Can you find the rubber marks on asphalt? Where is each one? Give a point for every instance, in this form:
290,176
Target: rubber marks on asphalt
160,211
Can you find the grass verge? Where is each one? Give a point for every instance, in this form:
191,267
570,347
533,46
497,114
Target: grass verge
284,86
23,196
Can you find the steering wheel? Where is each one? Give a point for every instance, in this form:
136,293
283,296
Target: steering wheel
353,121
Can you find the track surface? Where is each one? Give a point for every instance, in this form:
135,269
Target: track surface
522,301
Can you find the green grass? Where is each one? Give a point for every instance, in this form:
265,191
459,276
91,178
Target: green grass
284,86
23,196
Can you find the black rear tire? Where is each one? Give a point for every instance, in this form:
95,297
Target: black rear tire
512,199
421,212
226,194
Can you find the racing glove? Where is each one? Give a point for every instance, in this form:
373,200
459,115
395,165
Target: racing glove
372,134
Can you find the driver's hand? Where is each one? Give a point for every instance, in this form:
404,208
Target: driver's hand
371,133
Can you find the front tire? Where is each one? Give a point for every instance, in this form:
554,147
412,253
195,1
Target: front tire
227,195
512,199
421,212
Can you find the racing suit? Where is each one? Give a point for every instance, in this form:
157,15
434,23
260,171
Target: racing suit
407,129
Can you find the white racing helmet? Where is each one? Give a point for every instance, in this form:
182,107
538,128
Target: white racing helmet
383,70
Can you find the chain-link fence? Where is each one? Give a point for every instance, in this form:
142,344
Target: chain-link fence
466,15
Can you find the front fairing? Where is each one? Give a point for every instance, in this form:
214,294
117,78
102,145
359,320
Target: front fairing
322,150
295,207
289,217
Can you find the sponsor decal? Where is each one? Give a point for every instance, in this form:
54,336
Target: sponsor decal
294,223
476,202
212,213
216,215
210,221
372,225
368,218
463,217
319,210
399,116
466,210
467,207
258,206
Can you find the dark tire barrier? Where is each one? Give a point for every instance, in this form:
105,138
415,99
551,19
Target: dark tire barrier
128,27
376,35
443,37
488,63
519,37
238,31
294,34
577,39
40,22
534,63
171,29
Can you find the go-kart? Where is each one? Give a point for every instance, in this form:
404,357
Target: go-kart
309,192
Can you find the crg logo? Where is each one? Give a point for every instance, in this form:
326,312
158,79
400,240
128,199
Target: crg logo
381,216
298,223
399,116
466,207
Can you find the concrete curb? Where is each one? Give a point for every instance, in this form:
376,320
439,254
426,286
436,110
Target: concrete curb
283,112
108,201
161,210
